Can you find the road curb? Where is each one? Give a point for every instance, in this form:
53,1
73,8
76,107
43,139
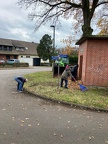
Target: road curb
68,103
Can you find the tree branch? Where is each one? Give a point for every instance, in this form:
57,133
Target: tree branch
55,8
94,4
105,2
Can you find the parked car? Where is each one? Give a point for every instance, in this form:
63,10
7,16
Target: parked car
2,61
11,61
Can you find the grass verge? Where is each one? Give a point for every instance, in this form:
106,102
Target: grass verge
42,83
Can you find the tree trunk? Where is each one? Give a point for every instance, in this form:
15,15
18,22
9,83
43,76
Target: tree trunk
86,28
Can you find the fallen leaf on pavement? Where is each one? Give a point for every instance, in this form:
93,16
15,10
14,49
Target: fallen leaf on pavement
55,134
61,136
27,118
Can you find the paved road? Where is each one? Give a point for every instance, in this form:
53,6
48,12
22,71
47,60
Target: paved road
26,119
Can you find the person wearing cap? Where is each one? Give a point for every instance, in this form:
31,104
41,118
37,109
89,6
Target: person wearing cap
20,80
64,77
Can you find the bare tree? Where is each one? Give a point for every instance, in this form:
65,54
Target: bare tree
46,10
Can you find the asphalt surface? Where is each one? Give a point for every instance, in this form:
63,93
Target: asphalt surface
27,119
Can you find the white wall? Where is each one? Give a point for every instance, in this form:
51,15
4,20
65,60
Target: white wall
23,58
42,61
27,60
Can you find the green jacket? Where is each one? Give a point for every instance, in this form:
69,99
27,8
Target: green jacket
66,73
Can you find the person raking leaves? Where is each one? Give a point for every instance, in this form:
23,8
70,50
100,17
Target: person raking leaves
64,77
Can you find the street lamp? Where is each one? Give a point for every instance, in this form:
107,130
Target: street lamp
53,45
54,48
53,35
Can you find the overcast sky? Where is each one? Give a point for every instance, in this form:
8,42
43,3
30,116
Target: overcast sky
14,24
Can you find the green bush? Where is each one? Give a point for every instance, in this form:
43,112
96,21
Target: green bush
24,64
45,64
7,65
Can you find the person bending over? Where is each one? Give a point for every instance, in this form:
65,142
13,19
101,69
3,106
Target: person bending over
20,80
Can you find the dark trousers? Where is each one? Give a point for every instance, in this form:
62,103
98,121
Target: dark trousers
20,84
66,82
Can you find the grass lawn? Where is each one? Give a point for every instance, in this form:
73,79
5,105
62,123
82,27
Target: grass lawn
42,83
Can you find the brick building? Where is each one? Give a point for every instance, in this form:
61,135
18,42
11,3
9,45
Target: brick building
93,60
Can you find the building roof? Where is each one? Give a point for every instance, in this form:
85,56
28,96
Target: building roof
22,47
6,42
99,37
17,44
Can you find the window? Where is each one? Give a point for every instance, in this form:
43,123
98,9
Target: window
15,57
5,48
10,48
27,56
7,57
0,47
